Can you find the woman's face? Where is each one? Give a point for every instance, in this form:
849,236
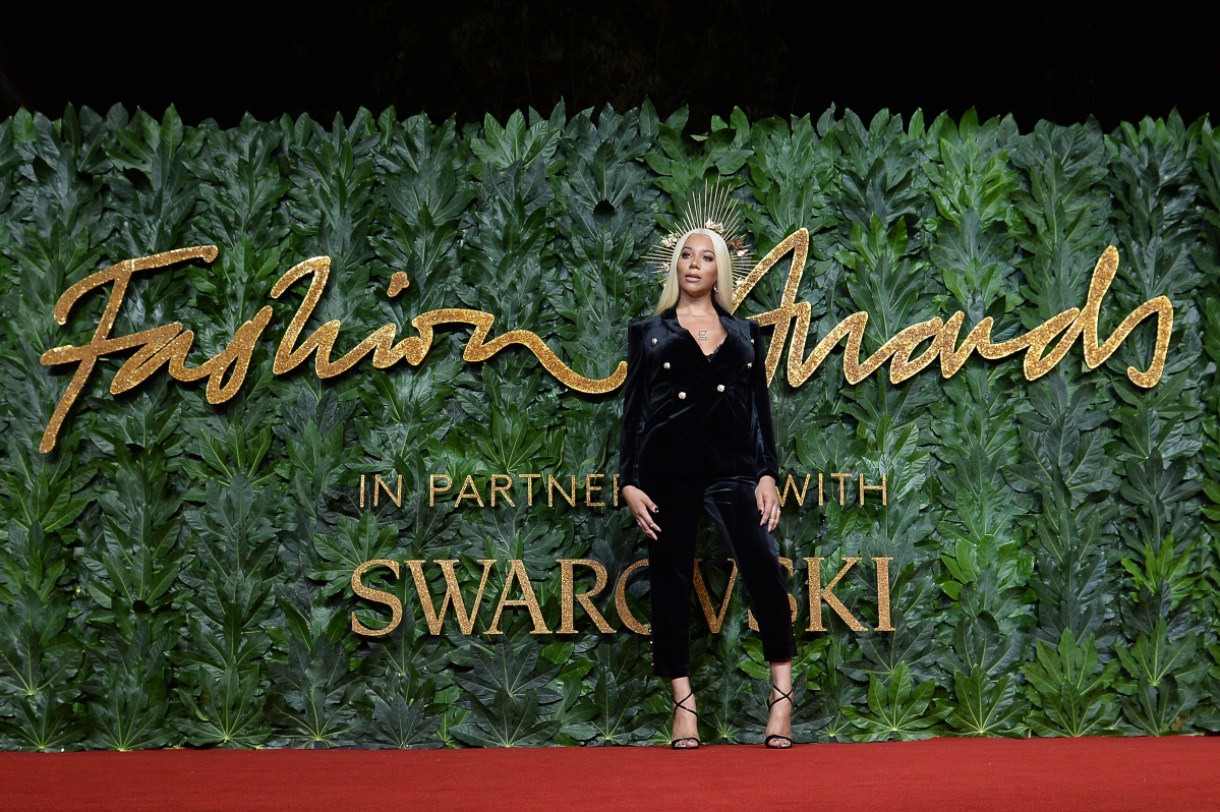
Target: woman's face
697,270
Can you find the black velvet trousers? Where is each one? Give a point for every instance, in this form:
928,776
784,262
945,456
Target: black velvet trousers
671,560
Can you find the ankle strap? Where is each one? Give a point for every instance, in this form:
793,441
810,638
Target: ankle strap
678,703
782,696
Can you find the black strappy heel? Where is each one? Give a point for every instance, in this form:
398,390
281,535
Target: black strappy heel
684,743
775,741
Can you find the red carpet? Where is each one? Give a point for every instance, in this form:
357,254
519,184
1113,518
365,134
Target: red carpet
977,774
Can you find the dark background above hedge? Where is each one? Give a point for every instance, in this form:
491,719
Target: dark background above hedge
1037,60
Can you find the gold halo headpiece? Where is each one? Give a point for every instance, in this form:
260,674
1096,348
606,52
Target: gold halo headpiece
716,210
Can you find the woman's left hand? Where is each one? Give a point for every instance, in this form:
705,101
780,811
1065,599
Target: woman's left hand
767,497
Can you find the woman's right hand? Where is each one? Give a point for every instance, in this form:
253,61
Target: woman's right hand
642,509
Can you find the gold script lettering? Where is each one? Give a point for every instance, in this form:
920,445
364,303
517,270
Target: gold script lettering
1069,325
167,345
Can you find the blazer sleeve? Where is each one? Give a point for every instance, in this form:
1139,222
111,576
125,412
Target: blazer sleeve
634,399
764,430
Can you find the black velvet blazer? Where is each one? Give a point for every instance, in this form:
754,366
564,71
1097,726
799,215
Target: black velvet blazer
692,417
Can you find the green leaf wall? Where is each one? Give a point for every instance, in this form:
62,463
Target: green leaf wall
177,573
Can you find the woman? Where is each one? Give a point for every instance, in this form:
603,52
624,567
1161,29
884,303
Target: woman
697,431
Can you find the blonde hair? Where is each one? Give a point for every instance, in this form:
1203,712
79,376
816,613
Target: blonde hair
723,294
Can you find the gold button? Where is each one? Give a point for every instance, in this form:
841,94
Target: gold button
719,387
666,365
681,396
654,342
